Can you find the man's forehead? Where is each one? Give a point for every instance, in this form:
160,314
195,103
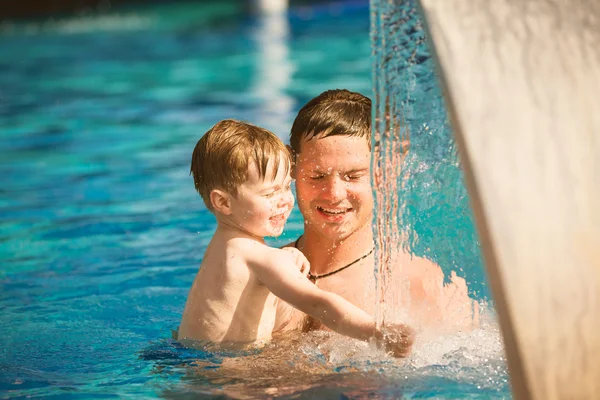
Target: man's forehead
324,163
335,144
337,169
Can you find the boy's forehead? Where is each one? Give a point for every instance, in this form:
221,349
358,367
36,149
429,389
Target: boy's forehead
273,172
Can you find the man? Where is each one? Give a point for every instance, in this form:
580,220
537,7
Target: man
331,145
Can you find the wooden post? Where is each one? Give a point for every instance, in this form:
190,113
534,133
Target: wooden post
522,83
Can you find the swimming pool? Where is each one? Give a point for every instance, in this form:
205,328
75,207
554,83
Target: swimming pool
102,231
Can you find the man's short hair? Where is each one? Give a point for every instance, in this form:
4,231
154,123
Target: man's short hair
223,155
334,112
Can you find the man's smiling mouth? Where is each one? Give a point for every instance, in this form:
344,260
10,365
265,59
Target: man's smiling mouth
334,211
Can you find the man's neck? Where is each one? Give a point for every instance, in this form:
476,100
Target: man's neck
326,255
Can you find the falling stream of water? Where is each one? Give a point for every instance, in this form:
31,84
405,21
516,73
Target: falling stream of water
422,206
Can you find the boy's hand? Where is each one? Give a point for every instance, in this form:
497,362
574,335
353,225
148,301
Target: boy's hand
396,339
301,261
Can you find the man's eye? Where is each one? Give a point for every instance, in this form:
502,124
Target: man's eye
352,178
270,194
317,177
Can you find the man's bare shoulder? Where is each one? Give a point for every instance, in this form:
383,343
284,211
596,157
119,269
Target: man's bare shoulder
435,303
412,266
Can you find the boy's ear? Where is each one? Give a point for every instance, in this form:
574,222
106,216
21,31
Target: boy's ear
221,201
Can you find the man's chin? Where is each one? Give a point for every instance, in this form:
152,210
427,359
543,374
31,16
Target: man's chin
335,232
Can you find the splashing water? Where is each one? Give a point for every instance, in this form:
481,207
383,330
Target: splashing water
325,365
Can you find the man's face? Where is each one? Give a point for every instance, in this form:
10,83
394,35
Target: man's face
333,185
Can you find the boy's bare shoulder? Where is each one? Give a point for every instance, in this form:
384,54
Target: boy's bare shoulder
252,249
245,244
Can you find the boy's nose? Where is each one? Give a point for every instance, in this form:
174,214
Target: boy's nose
286,200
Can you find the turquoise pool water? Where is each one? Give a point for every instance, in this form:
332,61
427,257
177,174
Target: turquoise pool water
102,232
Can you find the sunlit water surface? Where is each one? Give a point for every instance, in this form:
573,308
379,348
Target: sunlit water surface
102,233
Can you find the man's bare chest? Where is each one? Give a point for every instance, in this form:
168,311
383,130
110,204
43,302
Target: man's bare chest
357,289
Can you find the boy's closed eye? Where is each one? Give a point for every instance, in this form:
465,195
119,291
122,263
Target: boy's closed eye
273,191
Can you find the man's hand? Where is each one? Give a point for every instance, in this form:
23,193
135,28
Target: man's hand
396,339
301,261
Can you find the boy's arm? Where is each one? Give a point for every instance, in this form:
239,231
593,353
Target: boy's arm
278,272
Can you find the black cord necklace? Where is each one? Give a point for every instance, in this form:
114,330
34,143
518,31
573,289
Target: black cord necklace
314,277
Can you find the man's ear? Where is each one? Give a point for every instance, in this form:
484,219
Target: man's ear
221,201
293,157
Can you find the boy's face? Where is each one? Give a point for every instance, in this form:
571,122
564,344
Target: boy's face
262,207
333,185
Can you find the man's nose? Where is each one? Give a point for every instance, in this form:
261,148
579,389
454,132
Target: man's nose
334,189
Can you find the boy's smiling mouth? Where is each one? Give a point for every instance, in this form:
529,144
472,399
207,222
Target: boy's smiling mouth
279,218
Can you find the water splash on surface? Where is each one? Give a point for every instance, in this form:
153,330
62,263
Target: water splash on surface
327,365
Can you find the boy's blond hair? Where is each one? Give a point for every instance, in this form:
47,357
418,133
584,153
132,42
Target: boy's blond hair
223,155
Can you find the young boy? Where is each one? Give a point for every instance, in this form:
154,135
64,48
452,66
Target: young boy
242,173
